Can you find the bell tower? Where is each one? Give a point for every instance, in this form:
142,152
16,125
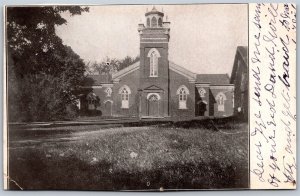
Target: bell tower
154,63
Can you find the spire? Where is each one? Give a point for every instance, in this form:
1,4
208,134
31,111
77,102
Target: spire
154,11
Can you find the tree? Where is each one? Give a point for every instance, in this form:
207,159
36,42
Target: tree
127,61
110,65
43,74
106,66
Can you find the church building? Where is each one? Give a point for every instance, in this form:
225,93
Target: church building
156,87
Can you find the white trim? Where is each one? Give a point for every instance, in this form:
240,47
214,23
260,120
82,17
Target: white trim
202,85
182,71
108,101
149,94
156,94
229,86
126,87
116,76
91,86
107,85
185,88
153,50
201,101
221,94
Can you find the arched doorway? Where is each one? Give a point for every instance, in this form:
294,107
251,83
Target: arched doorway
153,105
201,108
108,108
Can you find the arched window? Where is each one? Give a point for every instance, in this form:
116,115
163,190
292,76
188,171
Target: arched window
153,64
153,22
160,22
124,92
108,92
182,93
153,55
148,22
220,98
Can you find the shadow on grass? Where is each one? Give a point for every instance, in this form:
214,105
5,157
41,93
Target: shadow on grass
232,122
32,171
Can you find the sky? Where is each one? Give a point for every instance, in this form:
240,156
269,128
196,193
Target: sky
203,38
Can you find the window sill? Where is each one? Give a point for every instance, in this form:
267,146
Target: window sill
153,76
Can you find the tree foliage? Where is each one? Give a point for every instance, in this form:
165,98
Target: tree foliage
110,65
43,74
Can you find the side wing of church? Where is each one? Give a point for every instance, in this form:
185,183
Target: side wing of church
155,87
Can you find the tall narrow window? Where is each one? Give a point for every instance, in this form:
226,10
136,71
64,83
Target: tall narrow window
153,55
182,92
220,98
153,64
124,92
148,22
125,98
160,22
153,22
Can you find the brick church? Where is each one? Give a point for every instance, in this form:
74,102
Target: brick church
156,87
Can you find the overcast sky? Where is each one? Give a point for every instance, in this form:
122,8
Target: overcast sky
203,37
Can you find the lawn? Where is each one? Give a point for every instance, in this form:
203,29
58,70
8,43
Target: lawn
190,155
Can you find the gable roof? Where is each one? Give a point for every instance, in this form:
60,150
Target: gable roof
182,71
97,80
241,54
213,78
243,51
126,70
153,87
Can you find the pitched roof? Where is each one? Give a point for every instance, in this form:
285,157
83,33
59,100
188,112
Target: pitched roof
126,70
243,51
96,80
181,70
213,78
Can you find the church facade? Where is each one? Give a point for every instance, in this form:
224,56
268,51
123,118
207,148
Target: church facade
156,87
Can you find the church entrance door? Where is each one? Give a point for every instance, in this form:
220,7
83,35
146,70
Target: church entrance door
153,105
201,108
108,108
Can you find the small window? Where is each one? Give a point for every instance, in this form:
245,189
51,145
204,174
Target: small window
202,92
220,98
108,92
148,22
160,22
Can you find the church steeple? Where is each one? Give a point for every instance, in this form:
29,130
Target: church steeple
154,62
154,19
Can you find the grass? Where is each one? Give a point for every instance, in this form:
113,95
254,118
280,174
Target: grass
188,155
